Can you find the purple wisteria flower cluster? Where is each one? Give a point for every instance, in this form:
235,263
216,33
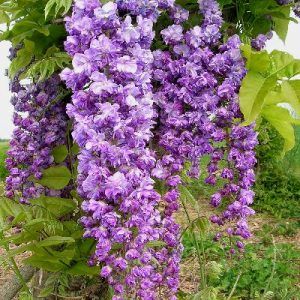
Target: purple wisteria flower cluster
259,43
199,80
113,111
41,123
121,119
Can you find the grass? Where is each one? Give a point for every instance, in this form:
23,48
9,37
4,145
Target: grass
268,270
3,149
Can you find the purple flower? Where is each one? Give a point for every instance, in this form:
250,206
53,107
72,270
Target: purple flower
260,41
126,64
107,10
216,200
284,2
132,254
179,14
82,64
106,271
37,133
173,34
116,185
197,85
240,245
114,116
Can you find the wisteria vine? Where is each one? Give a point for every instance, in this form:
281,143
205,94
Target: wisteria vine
114,117
40,121
199,114
140,116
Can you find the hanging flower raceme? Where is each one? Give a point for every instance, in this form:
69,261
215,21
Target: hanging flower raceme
237,157
184,98
113,113
41,123
259,43
199,80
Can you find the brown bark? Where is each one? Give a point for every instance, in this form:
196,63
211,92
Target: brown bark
10,289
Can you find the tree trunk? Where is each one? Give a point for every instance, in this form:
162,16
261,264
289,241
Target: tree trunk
10,289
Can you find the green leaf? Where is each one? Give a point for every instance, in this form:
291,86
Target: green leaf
282,22
184,191
260,61
57,206
44,68
256,61
56,178
253,91
47,291
289,95
282,121
224,2
214,269
81,268
259,7
51,226
21,249
86,246
66,255
202,224
25,29
44,262
20,238
75,149
10,208
60,153
21,217
295,85
23,59
284,64
156,244
4,18
208,293
262,25
55,240
256,86
59,5
288,92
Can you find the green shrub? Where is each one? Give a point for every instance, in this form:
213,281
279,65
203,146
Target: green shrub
278,186
3,149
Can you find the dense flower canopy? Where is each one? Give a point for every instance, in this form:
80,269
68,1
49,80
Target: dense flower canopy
142,115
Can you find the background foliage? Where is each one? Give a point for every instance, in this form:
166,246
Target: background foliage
3,148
